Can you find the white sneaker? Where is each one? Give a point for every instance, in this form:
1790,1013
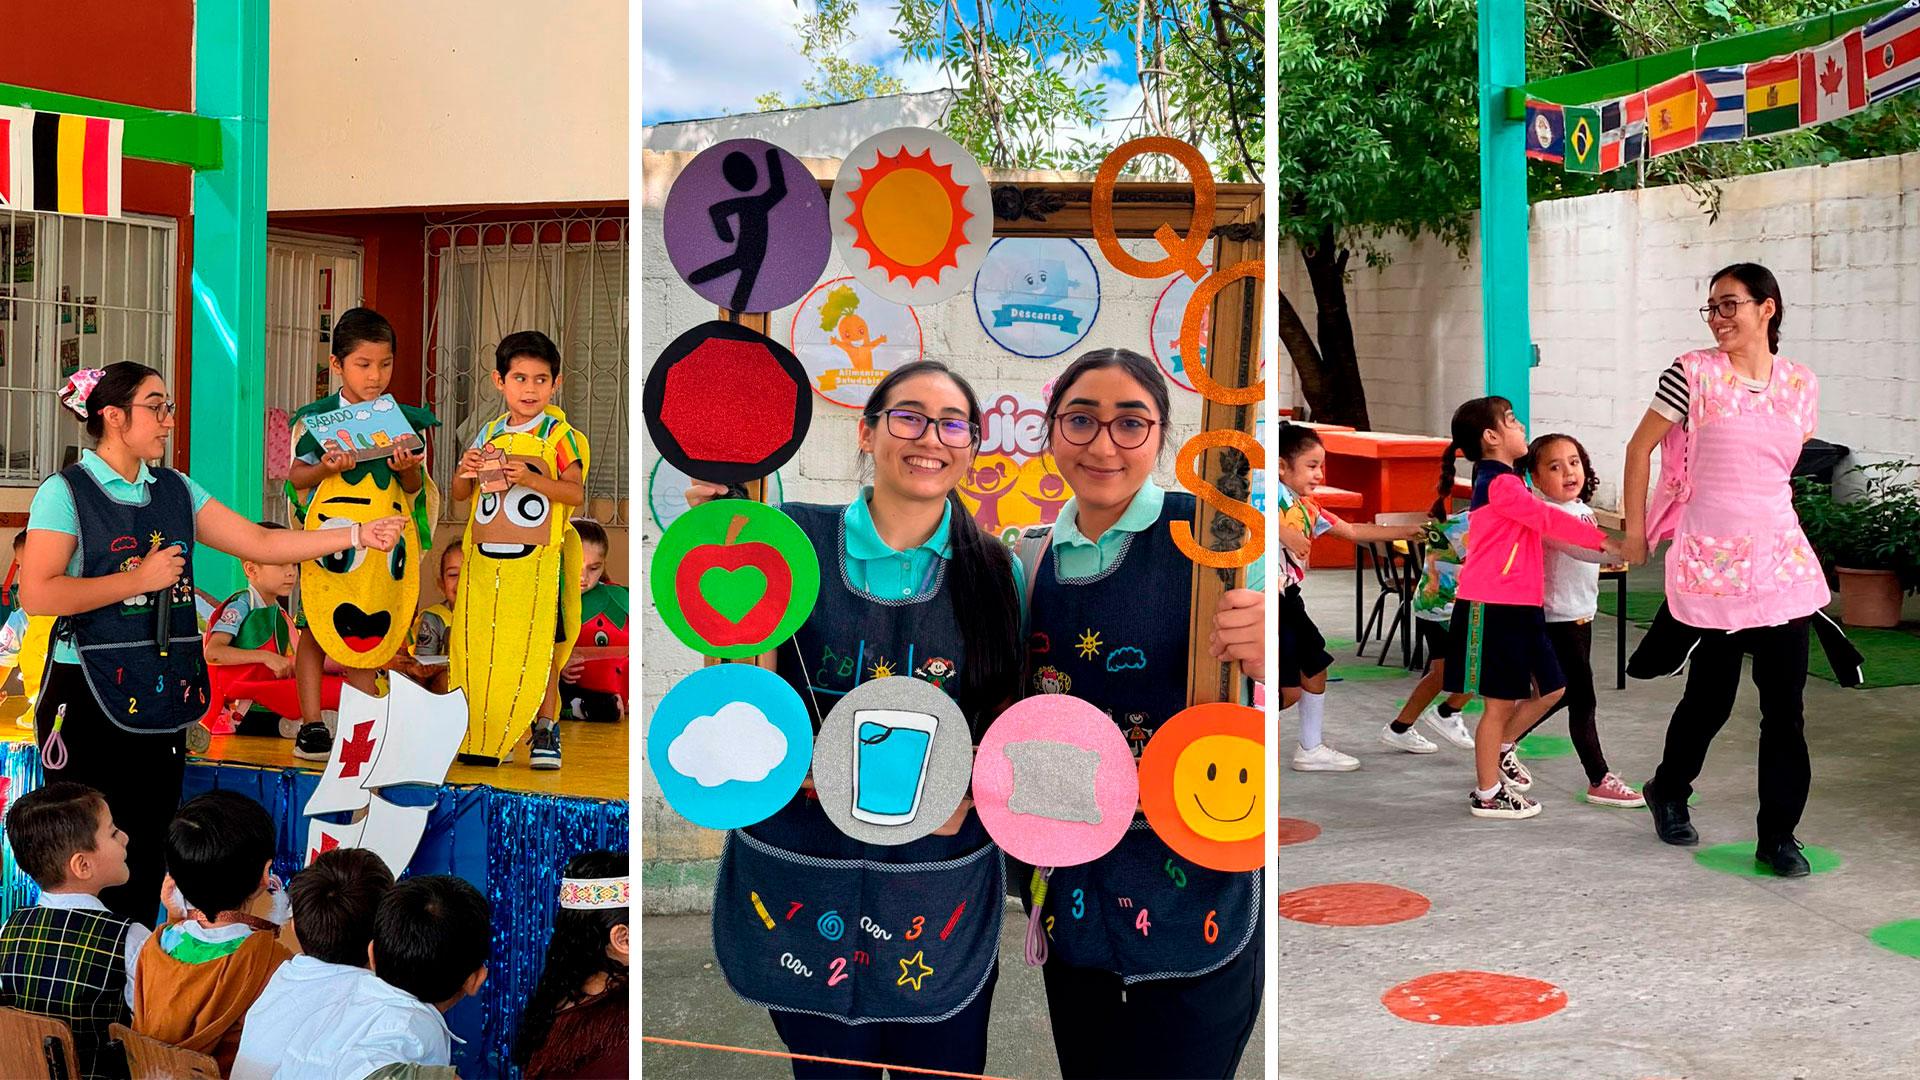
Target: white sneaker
1514,774
1409,740
1451,728
331,718
1506,803
1323,758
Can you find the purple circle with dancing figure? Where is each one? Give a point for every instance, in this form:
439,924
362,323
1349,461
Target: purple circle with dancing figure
745,226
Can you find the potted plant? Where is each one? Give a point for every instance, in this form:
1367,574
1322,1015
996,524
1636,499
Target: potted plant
1870,542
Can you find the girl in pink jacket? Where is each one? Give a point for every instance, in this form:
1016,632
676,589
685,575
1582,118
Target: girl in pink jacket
1499,636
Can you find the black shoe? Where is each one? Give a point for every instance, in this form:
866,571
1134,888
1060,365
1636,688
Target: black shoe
1782,857
1670,820
313,743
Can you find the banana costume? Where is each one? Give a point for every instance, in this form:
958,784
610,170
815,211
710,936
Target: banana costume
520,549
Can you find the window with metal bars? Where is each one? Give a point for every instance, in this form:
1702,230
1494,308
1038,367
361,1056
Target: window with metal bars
74,292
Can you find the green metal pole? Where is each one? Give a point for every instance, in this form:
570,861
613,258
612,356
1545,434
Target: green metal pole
1503,205
230,270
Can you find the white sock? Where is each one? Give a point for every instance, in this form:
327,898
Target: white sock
1312,713
1506,748
1487,794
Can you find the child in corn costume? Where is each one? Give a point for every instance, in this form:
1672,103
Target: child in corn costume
518,610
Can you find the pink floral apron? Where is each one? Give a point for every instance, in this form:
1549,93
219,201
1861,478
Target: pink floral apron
1739,559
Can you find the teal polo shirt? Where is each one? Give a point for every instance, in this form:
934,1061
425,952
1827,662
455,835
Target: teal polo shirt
1079,557
878,570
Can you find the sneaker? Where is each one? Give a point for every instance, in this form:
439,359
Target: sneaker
1323,758
1613,791
1506,803
290,728
331,718
1409,740
1451,728
546,745
313,743
1515,774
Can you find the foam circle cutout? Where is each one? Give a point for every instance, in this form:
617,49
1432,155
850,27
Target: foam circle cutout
1473,999
912,215
892,760
745,224
1296,831
733,578
726,404
1203,786
729,745
1737,859
1054,781
1353,903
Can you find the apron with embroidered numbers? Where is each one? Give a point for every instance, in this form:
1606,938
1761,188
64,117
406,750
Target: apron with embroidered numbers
807,919
1119,641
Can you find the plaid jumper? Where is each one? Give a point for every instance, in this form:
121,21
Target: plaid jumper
68,964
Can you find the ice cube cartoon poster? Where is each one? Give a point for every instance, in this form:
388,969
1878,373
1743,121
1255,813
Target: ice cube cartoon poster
1037,296
848,337
367,430
729,745
892,760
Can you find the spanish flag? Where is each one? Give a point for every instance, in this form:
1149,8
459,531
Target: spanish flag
76,164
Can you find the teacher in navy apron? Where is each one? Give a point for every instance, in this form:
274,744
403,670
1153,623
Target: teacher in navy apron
905,572
109,554
1163,996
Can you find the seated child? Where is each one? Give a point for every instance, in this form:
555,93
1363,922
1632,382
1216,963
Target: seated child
13,635
432,635
249,650
431,935
575,1024
596,689
200,973
68,957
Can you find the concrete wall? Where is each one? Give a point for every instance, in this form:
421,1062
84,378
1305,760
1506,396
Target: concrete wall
1616,282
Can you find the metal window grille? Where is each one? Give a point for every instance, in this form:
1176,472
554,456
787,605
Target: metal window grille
566,276
310,282
74,292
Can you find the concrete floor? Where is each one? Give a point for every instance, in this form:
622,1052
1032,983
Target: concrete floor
1670,970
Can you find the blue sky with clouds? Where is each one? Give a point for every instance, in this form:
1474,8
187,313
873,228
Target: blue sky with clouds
703,58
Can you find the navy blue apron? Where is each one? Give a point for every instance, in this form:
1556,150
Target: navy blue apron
137,688
1140,911
807,919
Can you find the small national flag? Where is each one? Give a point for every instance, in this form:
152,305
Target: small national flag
76,164
1583,138
1723,103
16,157
1773,96
1892,51
1833,81
1674,112
1546,131
1633,132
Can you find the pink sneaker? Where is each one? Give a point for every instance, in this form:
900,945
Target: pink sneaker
1613,791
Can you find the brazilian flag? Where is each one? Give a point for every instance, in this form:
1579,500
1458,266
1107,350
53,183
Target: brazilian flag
1583,139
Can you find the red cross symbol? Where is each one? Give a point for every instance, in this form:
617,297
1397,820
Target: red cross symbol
327,843
358,750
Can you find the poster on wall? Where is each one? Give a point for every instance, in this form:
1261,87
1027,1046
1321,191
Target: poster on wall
1037,296
848,337
1013,483
667,492
1164,330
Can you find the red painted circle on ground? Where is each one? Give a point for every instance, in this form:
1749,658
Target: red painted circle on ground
1473,999
1353,903
1295,831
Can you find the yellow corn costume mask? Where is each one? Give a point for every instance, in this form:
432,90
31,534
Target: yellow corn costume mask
520,548
359,604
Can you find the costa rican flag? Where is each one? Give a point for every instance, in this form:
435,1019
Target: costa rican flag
1724,116
1892,51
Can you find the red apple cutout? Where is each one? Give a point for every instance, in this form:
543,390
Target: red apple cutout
758,623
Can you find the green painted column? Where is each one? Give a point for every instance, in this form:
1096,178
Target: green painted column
230,270
1503,205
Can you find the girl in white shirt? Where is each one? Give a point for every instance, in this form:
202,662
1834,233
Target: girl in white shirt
1563,478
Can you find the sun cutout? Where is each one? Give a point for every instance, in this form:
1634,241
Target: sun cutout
882,669
908,216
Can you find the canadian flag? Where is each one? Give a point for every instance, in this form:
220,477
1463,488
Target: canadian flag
407,738
1833,80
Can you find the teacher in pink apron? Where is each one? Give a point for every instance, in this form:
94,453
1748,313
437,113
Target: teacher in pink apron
1741,579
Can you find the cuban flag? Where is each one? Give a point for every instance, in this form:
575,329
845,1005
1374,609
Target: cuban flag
1891,44
1724,111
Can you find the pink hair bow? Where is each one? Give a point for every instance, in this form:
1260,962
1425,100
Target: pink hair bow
79,387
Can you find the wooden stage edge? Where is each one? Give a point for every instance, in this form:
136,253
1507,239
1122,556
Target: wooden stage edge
594,755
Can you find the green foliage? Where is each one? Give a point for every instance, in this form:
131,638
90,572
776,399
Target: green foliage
1877,529
823,35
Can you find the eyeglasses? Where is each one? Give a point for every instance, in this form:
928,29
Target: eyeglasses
1127,432
909,425
161,410
1726,309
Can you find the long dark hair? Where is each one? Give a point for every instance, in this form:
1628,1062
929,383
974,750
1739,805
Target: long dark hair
576,953
1760,282
360,326
115,390
1539,446
1469,420
984,601
1138,368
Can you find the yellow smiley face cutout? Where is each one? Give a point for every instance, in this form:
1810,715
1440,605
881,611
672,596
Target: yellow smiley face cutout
1203,784
359,604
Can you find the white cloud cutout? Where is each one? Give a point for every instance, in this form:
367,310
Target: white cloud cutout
383,405
736,743
362,414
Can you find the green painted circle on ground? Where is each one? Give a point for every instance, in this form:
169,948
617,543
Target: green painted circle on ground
1544,746
1902,937
1737,858
733,579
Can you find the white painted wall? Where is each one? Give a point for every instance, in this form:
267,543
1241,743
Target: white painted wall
1616,282
446,102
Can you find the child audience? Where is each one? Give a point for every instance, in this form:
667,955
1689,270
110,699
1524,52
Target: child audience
575,1024
596,689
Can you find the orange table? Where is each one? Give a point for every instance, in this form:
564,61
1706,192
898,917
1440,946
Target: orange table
1393,473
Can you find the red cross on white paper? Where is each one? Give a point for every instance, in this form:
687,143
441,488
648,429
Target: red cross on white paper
327,843
358,750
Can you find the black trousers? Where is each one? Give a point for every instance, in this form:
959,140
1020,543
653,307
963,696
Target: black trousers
1573,645
1171,1029
139,774
957,1044
1713,677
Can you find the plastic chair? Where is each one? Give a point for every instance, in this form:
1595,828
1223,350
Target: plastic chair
1396,570
36,1047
